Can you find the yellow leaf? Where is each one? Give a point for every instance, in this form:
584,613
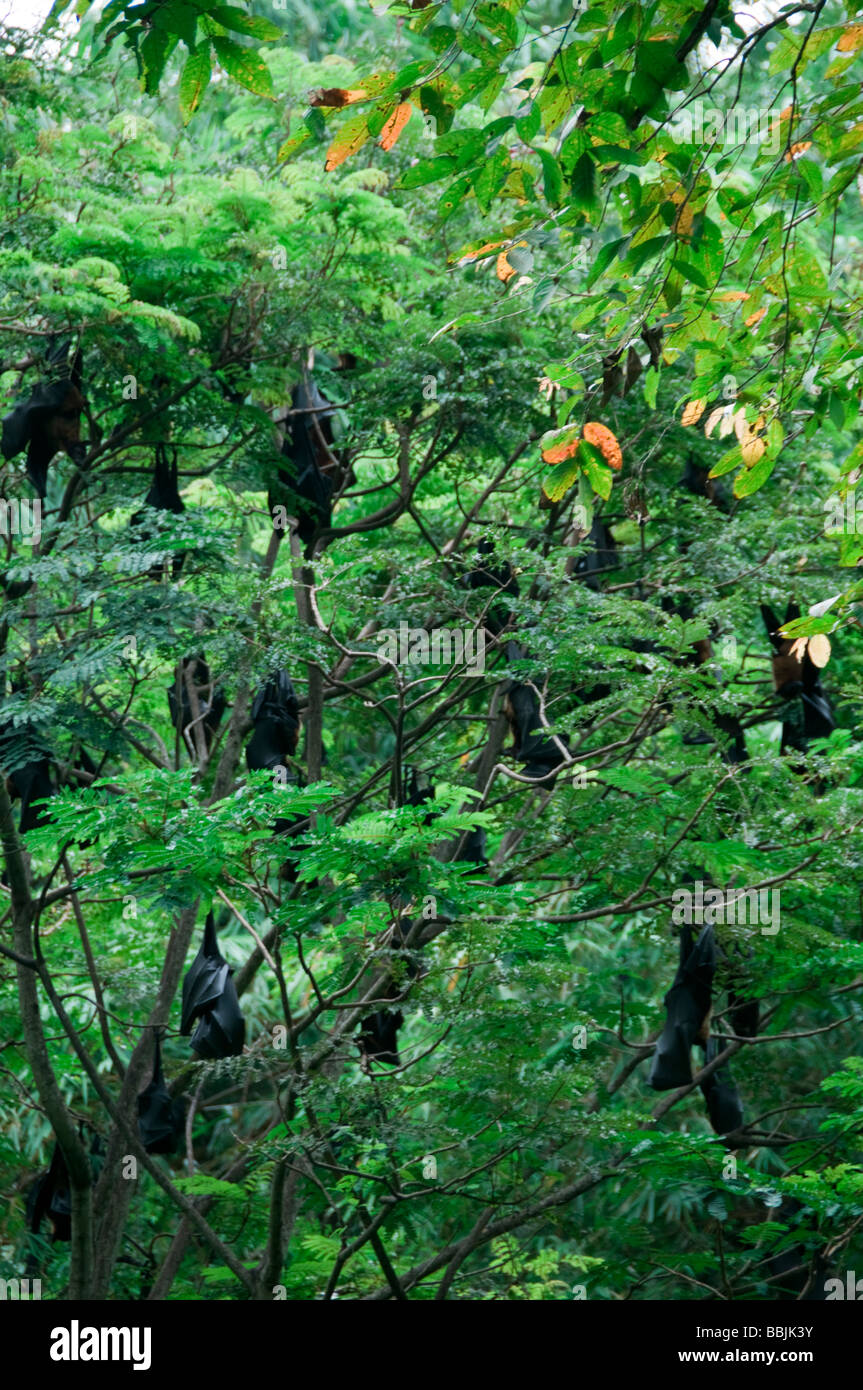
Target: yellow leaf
752,450
732,296
693,412
395,125
851,40
683,220
819,650
755,318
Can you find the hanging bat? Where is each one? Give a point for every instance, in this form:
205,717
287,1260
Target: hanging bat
31,781
209,995
212,703
602,554
687,1006
539,753
799,680
312,470
163,496
161,1120
724,1105
378,1036
49,1196
49,421
489,575
275,715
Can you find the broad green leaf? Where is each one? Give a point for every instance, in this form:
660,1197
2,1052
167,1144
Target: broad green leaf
193,82
244,65
255,26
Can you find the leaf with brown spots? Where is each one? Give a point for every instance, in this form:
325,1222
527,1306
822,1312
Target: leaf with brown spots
335,96
394,126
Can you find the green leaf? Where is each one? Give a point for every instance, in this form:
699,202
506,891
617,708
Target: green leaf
178,19
751,479
255,26
557,483
528,124
498,21
193,82
245,66
426,171
604,258
154,51
583,183
552,179
596,470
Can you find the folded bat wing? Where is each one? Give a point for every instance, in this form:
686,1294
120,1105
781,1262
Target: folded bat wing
221,1031
687,1005
205,979
379,1036
724,1105
160,1119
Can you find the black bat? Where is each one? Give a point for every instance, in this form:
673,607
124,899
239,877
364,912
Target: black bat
275,715
798,683
378,1036
49,421
212,702
539,753
697,480
308,448
473,850
687,1006
602,555
724,1105
209,995
417,789
491,575
161,1120
163,496
49,1196
30,780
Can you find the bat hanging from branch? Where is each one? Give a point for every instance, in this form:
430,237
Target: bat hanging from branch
49,421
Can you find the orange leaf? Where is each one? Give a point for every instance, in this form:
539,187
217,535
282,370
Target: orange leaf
352,136
474,255
851,40
558,453
505,271
732,296
459,966
334,96
395,125
796,150
693,412
603,439
755,319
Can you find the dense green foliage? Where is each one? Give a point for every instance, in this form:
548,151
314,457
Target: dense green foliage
540,209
